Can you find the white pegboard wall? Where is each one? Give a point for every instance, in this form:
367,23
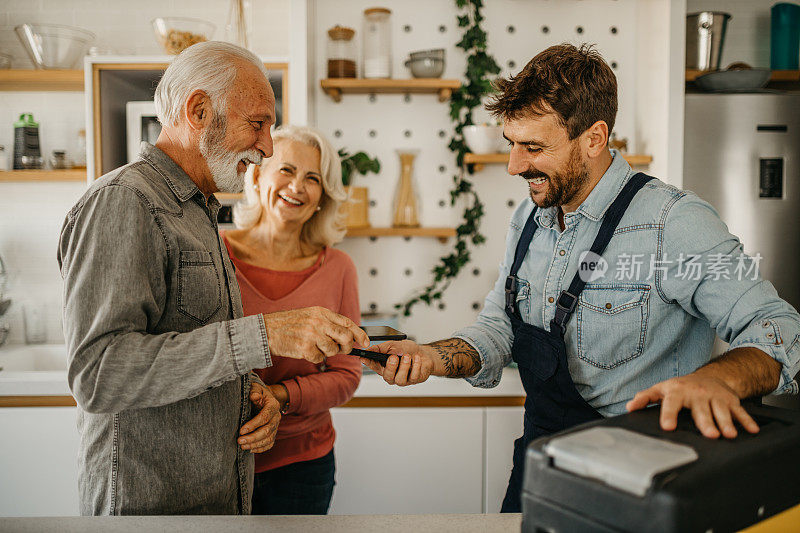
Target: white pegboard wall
391,269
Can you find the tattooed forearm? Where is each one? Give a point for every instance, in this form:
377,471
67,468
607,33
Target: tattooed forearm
460,360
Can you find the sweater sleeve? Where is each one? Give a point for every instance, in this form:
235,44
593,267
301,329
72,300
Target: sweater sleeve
335,386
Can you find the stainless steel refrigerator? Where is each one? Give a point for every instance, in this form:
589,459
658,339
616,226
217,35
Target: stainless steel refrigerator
742,154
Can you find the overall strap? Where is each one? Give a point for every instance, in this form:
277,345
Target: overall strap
522,248
568,299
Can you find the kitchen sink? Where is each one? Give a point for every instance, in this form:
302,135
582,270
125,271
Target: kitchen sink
33,358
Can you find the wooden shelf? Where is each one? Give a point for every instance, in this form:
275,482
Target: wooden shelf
638,160
335,87
479,160
41,80
74,174
229,196
440,233
785,75
777,75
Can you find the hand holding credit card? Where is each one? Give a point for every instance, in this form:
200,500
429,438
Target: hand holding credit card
378,333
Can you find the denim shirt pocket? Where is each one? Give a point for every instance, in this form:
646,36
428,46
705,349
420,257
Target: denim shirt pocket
612,323
199,290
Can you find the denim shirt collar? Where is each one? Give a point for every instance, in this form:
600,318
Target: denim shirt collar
607,189
547,218
177,179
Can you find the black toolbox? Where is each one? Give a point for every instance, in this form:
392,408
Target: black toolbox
730,485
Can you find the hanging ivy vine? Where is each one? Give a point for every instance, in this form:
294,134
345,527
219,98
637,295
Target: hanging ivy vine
478,83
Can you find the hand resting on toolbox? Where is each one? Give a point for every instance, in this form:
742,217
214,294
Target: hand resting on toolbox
712,392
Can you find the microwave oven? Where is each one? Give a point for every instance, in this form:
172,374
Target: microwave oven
143,125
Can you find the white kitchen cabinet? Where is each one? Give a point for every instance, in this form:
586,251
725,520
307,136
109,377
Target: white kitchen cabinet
38,461
389,460
408,460
503,427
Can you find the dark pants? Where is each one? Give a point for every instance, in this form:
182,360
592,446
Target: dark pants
299,488
512,502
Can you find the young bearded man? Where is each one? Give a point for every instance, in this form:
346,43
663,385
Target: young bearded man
639,335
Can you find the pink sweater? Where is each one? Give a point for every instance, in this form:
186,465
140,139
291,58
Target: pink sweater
306,431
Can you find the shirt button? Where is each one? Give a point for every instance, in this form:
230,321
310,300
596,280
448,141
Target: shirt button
770,335
561,252
608,306
765,324
551,299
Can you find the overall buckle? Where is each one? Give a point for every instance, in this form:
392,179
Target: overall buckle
567,302
565,305
511,293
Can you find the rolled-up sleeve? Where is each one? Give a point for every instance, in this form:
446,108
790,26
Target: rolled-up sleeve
491,334
726,289
115,271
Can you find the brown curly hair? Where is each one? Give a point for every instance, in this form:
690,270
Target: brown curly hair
575,83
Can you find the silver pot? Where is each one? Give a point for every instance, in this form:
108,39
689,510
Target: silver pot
705,36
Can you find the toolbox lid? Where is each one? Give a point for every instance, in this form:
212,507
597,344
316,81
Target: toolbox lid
618,457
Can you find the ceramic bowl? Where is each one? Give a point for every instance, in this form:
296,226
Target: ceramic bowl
426,67
734,80
484,139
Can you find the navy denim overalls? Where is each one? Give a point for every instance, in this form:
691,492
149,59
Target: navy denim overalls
553,403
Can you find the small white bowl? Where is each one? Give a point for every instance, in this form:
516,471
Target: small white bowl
426,67
484,139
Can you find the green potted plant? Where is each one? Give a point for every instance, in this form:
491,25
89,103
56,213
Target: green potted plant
356,207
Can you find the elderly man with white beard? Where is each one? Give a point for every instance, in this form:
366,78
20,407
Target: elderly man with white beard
160,356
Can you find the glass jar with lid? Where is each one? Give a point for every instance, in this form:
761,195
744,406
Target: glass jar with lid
341,52
59,160
377,43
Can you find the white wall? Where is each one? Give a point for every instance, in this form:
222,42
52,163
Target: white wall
658,98
31,214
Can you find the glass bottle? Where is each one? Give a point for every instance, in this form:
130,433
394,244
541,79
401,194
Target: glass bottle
406,213
239,26
341,52
80,150
377,43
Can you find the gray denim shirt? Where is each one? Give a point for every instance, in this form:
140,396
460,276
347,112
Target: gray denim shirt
159,354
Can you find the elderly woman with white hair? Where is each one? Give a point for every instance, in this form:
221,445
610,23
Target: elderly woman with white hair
284,260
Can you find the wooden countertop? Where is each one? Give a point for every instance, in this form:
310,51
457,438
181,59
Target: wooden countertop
371,392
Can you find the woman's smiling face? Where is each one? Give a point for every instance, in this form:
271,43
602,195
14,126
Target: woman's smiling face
290,183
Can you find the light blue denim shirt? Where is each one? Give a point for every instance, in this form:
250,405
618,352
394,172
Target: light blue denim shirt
674,276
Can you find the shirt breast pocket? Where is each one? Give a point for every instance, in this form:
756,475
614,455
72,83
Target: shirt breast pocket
612,323
199,290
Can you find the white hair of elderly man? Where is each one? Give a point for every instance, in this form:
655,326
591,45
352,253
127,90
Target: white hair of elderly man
209,66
